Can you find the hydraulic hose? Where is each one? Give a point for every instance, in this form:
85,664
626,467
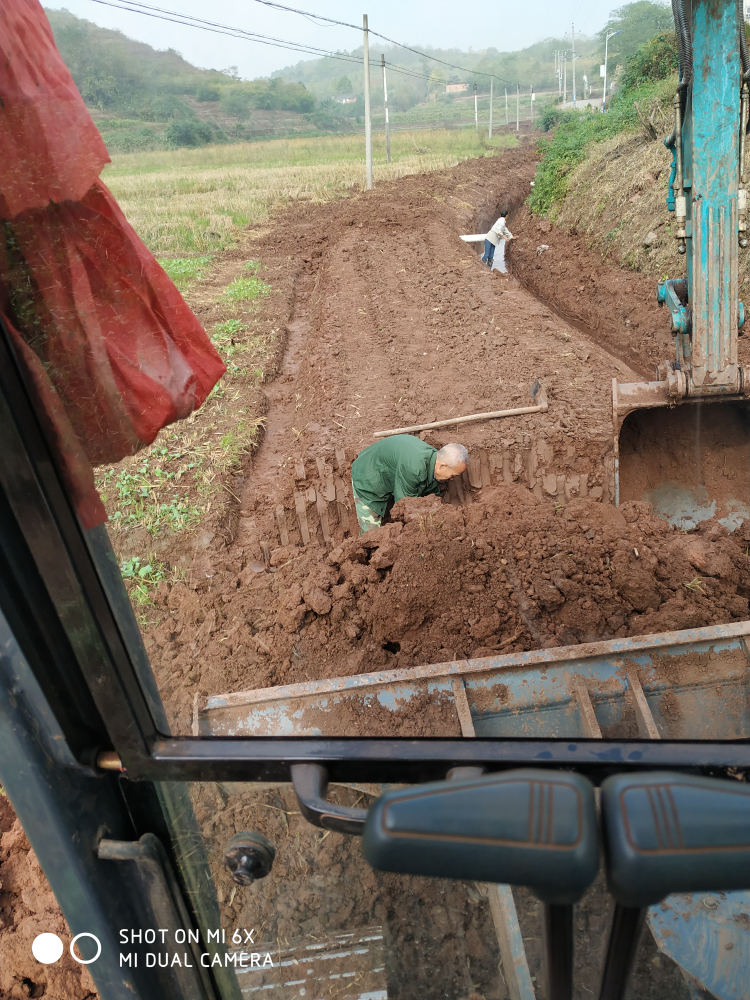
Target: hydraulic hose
679,34
683,22
685,49
744,55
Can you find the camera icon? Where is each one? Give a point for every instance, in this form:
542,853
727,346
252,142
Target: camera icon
48,948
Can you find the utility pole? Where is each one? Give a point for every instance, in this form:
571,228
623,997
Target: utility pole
573,60
385,103
492,81
559,75
506,105
533,98
565,77
518,93
476,113
368,123
606,46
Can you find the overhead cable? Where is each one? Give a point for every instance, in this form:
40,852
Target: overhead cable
391,41
253,36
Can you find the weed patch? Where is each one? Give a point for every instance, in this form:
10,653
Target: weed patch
183,270
150,494
142,578
247,289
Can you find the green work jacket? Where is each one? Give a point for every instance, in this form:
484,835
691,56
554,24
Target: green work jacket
396,467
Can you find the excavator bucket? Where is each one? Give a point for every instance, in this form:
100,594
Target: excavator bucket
690,461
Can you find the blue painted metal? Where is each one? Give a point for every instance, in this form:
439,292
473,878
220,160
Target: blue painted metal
670,185
685,507
710,151
666,295
529,694
707,934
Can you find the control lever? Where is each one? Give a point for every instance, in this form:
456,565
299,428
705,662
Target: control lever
311,784
557,926
527,827
667,833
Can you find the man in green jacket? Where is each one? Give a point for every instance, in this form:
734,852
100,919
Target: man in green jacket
400,466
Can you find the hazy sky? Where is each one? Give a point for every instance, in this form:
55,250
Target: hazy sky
504,24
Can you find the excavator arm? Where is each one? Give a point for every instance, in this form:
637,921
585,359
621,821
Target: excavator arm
663,432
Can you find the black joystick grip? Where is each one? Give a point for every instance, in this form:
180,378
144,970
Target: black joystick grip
668,833
529,827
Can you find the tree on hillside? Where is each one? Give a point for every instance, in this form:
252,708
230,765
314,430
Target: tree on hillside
343,85
637,23
654,60
437,80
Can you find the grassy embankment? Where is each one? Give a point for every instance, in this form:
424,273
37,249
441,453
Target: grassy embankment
607,175
192,208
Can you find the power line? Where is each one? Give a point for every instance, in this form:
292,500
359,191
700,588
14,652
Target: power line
391,41
217,28
253,36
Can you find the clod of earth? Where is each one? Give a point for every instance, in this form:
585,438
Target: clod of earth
474,580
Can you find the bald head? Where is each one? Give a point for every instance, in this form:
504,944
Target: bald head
451,461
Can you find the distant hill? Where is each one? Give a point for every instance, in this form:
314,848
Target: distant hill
142,98
532,66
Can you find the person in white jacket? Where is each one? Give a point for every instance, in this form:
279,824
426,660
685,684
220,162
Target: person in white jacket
494,244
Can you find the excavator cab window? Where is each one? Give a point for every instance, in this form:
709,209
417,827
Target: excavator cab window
559,820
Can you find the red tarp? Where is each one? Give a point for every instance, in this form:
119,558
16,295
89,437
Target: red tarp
110,348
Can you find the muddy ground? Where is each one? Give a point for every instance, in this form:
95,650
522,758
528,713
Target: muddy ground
28,908
388,320
392,321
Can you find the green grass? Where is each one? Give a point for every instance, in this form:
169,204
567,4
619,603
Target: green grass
247,289
142,578
183,270
574,131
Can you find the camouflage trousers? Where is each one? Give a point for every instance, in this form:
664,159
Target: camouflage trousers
366,516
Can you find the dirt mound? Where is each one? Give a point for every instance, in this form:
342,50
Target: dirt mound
444,582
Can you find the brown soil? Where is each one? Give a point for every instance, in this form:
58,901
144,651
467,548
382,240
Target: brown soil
614,306
394,321
507,571
389,319
699,445
438,934
28,908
